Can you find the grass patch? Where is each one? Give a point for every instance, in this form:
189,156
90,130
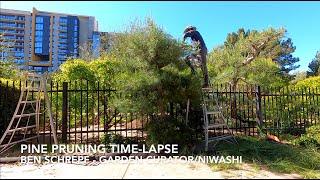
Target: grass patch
282,158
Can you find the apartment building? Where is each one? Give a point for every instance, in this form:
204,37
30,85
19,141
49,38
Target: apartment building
42,41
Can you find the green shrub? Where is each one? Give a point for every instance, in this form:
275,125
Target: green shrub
311,82
152,69
9,97
113,138
170,131
311,138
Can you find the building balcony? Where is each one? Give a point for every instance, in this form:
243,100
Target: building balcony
62,48
19,40
12,33
62,42
40,63
63,29
62,36
8,39
11,27
18,45
12,20
62,23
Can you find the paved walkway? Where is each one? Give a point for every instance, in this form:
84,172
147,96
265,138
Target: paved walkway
144,170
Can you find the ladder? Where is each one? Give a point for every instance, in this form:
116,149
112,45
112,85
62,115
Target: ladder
27,113
214,119
212,111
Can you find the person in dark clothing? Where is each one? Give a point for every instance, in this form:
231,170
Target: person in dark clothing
196,38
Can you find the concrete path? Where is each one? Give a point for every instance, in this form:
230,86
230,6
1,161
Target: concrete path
142,170
146,169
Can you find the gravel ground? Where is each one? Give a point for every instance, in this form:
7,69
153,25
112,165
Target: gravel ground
147,169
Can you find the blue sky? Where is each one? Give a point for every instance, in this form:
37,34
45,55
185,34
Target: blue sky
214,20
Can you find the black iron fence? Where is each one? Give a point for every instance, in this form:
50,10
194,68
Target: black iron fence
82,111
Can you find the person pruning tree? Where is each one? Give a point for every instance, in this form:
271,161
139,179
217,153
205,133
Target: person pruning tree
191,31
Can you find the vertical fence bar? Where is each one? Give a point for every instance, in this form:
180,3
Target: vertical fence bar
270,106
303,112
57,105
264,108
93,90
290,116
300,97
295,110
104,111
258,107
75,111
244,110
275,119
81,106
69,114
307,106
318,109
252,94
248,111
1,110
312,105
98,99
281,110
44,123
64,111
87,110
6,102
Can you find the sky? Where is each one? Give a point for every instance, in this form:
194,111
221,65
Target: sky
214,20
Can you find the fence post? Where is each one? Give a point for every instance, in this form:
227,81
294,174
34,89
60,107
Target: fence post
258,106
64,111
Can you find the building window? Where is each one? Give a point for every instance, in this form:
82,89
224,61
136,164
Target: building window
39,33
38,38
20,18
39,26
63,20
38,50
38,44
39,19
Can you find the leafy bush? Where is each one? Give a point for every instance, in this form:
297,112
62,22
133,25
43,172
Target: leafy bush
113,138
9,96
152,69
311,82
311,138
170,131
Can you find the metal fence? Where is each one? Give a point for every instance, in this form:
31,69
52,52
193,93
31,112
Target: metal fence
82,112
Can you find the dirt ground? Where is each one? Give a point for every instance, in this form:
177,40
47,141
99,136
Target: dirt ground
145,170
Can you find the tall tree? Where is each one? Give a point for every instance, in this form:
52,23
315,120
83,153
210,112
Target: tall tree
247,56
314,66
279,51
285,59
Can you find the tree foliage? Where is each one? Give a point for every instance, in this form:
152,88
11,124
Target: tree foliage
144,65
248,56
311,82
152,67
314,66
285,58
7,66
